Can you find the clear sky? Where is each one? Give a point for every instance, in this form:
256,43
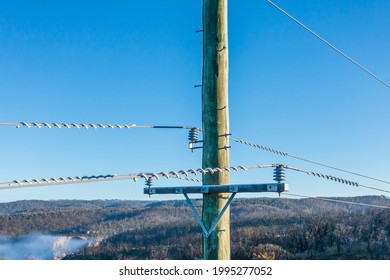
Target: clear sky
137,62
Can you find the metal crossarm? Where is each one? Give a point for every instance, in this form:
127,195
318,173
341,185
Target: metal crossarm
271,187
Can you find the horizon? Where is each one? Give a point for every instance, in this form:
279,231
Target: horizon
196,198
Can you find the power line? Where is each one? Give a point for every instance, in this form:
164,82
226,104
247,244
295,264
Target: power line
337,200
329,44
17,184
324,176
90,125
333,178
125,126
306,160
171,174
264,148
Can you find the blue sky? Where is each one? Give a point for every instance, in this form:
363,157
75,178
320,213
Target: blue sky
137,61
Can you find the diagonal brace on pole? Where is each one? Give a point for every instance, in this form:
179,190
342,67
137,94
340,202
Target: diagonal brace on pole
206,232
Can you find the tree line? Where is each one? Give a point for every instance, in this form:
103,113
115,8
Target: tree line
261,228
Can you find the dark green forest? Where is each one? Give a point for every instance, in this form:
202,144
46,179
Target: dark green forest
261,228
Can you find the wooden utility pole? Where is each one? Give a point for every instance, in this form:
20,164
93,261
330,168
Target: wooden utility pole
215,125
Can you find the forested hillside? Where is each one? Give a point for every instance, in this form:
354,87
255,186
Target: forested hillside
262,228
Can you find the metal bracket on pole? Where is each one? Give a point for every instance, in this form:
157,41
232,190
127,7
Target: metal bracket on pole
233,189
206,232
192,147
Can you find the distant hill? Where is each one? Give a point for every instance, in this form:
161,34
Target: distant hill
262,228
36,206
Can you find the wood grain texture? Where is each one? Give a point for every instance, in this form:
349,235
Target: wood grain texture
215,124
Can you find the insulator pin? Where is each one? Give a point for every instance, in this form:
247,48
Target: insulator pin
193,135
193,139
279,174
149,182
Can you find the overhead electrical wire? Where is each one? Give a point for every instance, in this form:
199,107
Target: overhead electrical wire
134,126
17,184
335,179
76,180
177,175
330,45
336,200
267,149
89,125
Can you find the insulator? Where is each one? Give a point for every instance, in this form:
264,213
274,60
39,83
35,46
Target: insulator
279,174
193,135
149,182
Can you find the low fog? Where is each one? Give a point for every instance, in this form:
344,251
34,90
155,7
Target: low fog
39,247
